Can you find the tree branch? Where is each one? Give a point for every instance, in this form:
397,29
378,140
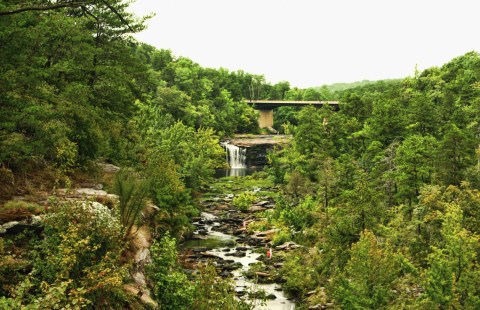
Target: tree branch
118,15
73,4
43,7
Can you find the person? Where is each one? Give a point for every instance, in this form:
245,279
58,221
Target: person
269,253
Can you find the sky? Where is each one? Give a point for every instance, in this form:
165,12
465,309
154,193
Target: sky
314,42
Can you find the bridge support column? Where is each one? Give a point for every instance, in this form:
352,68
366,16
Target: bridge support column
265,119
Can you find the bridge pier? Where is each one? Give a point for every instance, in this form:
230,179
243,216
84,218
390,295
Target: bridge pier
265,118
265,108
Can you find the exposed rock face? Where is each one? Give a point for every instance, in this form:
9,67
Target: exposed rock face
257,155
15,227
251,140
257,147
139,249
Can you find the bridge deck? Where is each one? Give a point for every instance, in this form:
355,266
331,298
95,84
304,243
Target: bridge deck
270,104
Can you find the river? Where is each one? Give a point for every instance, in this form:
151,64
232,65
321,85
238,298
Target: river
230,251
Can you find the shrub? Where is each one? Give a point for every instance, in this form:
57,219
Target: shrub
281,237
78,263
244,200
171,286
132,194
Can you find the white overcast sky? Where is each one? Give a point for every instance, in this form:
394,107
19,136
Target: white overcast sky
314,42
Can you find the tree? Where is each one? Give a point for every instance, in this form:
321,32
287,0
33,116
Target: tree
456,151
367,280
452,278
414,161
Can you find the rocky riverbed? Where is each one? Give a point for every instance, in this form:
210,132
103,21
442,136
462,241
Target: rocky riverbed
224,236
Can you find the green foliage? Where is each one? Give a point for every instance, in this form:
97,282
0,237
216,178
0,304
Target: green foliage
384,164
452,276
301,216
20,204
244,200
299,271
414,161
78,262
132,193
216,293
75,87
367,279
172,288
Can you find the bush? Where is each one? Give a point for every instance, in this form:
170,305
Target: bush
216,293
78,263
244,200
172,288
281,237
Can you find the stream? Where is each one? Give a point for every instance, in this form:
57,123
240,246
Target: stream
233,255
222,236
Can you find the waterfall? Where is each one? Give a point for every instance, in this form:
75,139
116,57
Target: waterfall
235,155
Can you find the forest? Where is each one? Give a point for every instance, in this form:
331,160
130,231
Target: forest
382,195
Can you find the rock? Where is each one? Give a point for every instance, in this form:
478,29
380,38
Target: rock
241,248
232,266
262,203
225,274
210,255
256,209
221,207
199,250
142,255
108,167
154,207
239,231
266,232
271,296
16,227
254,240
93,192
5,227
239,254
263,274
144,297
290,245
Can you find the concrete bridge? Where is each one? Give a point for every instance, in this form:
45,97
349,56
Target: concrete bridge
265,107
